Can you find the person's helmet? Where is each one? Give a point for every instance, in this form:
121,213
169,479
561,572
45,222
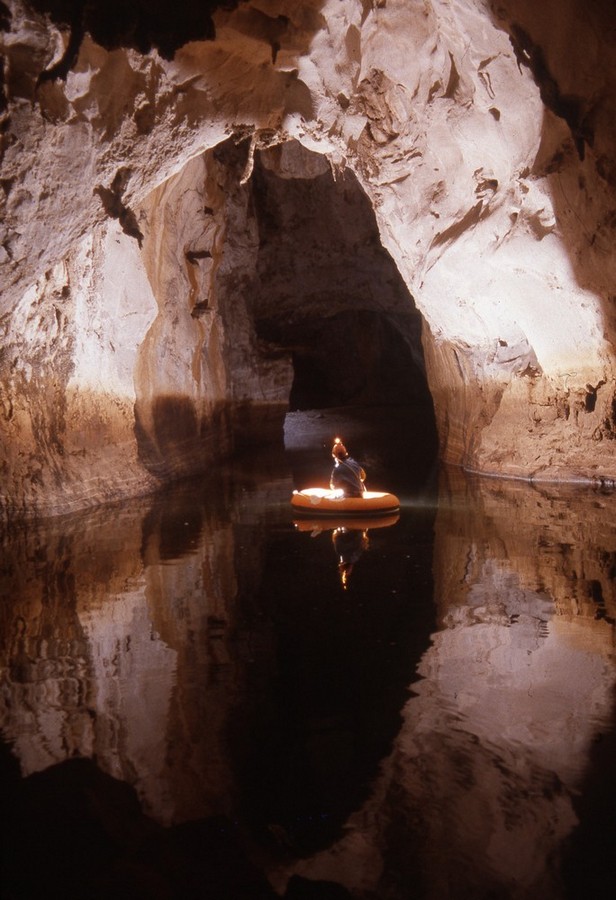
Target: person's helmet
339,450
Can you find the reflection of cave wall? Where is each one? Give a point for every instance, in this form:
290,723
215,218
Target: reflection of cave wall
482,138
115,644
493,779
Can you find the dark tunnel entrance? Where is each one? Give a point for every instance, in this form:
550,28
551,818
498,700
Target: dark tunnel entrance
331,295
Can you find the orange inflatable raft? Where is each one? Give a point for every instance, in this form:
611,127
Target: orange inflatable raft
322,502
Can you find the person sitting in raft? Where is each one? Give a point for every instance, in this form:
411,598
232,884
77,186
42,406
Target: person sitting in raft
347,474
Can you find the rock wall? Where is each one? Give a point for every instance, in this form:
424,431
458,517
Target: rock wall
481,133
533,338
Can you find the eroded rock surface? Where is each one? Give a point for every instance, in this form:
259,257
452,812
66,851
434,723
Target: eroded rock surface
132,254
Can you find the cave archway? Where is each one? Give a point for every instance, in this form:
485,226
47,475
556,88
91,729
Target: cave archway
330,294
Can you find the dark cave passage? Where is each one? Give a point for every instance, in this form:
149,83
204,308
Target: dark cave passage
328,291
330,295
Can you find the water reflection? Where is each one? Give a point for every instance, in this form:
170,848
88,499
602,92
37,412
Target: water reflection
440,725
483,793
349,536
111,632
344,659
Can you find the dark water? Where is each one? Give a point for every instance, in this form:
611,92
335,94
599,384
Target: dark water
194,704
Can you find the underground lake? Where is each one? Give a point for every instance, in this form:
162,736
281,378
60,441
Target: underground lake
194,704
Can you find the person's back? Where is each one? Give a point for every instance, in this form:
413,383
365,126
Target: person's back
347,474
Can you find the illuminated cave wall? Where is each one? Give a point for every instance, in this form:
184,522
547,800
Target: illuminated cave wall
482,135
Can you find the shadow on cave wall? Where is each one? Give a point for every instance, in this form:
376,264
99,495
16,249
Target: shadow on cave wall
164,24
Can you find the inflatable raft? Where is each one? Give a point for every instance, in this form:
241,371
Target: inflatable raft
323,502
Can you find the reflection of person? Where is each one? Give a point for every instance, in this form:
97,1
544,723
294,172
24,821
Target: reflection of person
349,544
347,474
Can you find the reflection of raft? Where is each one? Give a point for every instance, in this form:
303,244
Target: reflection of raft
321,502
307,522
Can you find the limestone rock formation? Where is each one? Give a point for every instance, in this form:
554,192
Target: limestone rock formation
139,160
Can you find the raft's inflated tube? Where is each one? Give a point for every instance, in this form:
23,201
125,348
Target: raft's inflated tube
322,502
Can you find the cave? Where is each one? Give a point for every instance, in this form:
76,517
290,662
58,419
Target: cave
225,228
329,293
159,185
